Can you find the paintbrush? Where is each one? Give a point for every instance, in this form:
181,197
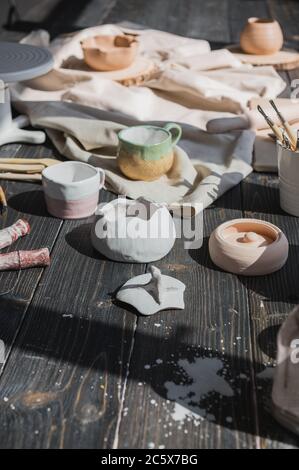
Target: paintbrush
286,125
286,142
277,131
3,203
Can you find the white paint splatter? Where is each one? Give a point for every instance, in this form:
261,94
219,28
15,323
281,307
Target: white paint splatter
204,377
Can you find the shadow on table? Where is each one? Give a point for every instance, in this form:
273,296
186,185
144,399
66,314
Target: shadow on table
79,240
256,197
281,286
29,202
212,386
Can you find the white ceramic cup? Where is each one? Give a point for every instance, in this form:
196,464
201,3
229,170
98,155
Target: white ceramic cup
72,189
288,171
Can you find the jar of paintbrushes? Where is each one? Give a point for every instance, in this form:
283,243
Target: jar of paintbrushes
287,142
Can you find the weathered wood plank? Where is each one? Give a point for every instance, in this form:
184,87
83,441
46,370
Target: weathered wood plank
270,299
74,347
195,18
286,13
213,327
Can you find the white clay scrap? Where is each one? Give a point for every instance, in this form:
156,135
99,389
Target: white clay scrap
151,292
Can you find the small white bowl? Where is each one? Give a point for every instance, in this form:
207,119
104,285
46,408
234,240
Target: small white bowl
72,189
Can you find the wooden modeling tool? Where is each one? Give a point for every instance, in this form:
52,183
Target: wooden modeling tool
21,176
3,203
29,161
17,168
277,131
24,169
291,134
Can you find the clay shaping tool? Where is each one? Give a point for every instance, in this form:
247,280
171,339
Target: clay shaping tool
21,176
277,131
3,203
17,168
286,125
29,161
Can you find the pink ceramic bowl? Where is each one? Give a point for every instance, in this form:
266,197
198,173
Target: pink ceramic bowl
250,247
72,189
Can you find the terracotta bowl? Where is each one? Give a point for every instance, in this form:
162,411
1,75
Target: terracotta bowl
261,36
250,247
107,53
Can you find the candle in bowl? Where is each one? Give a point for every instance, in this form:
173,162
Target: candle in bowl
250,247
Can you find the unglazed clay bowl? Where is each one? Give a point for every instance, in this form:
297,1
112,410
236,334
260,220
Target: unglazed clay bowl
107,53
250,247
72,189
261,36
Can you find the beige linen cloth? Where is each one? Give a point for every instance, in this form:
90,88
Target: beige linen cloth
82,111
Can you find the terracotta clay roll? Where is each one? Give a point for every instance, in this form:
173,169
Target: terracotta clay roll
10,234
24,259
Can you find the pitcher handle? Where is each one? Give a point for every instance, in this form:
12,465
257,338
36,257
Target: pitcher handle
177,131
101,174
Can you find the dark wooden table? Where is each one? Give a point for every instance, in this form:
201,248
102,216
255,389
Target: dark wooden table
82,371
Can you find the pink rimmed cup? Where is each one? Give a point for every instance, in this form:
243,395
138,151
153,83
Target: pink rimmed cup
72,189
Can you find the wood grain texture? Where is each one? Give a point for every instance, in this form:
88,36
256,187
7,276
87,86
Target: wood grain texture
214,325
271,298
74,348
84,371
193,18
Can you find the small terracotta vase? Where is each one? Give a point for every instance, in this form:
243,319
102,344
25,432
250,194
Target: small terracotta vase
261,36
250,247
108,53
